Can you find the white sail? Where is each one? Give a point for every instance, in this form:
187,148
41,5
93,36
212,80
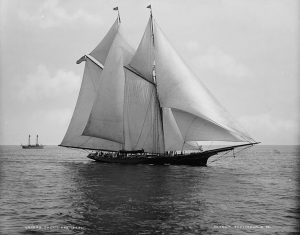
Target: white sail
143,58
87,94
194,128
101,51
106,117
142,119
174,140
178,88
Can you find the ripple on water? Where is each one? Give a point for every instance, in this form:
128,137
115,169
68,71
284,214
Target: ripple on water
60,187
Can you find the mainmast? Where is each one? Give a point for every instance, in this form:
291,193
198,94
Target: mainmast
154,78
152,31
123,144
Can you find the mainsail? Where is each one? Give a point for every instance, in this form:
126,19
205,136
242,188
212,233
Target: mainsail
146,100
142,116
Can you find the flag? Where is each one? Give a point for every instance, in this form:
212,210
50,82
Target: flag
115,8
149,6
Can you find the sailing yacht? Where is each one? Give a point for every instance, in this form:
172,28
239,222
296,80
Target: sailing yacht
145,106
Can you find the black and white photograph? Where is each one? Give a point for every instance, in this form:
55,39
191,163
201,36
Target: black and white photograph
149,117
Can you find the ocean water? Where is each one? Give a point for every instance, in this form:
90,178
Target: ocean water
60,191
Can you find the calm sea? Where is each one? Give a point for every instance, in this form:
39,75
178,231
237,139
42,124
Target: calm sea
60,191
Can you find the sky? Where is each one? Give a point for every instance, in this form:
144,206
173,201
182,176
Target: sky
245,52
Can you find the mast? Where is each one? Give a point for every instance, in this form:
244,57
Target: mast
117,9
119,21
154,79
37,139
29,140
151,16
123,144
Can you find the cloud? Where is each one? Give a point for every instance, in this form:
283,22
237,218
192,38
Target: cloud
51,14
41,84
220,62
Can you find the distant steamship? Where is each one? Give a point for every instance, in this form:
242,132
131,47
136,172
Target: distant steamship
36,146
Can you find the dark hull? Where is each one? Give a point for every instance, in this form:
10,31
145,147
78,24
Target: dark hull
32,146
193,159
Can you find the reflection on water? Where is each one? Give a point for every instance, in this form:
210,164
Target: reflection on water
60,191
129,198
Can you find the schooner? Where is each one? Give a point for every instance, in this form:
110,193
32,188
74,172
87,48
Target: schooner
146,106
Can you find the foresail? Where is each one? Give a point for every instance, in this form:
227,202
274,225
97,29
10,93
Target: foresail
106,117
174,140
178,88
143,58
142,121
87,94
194,128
